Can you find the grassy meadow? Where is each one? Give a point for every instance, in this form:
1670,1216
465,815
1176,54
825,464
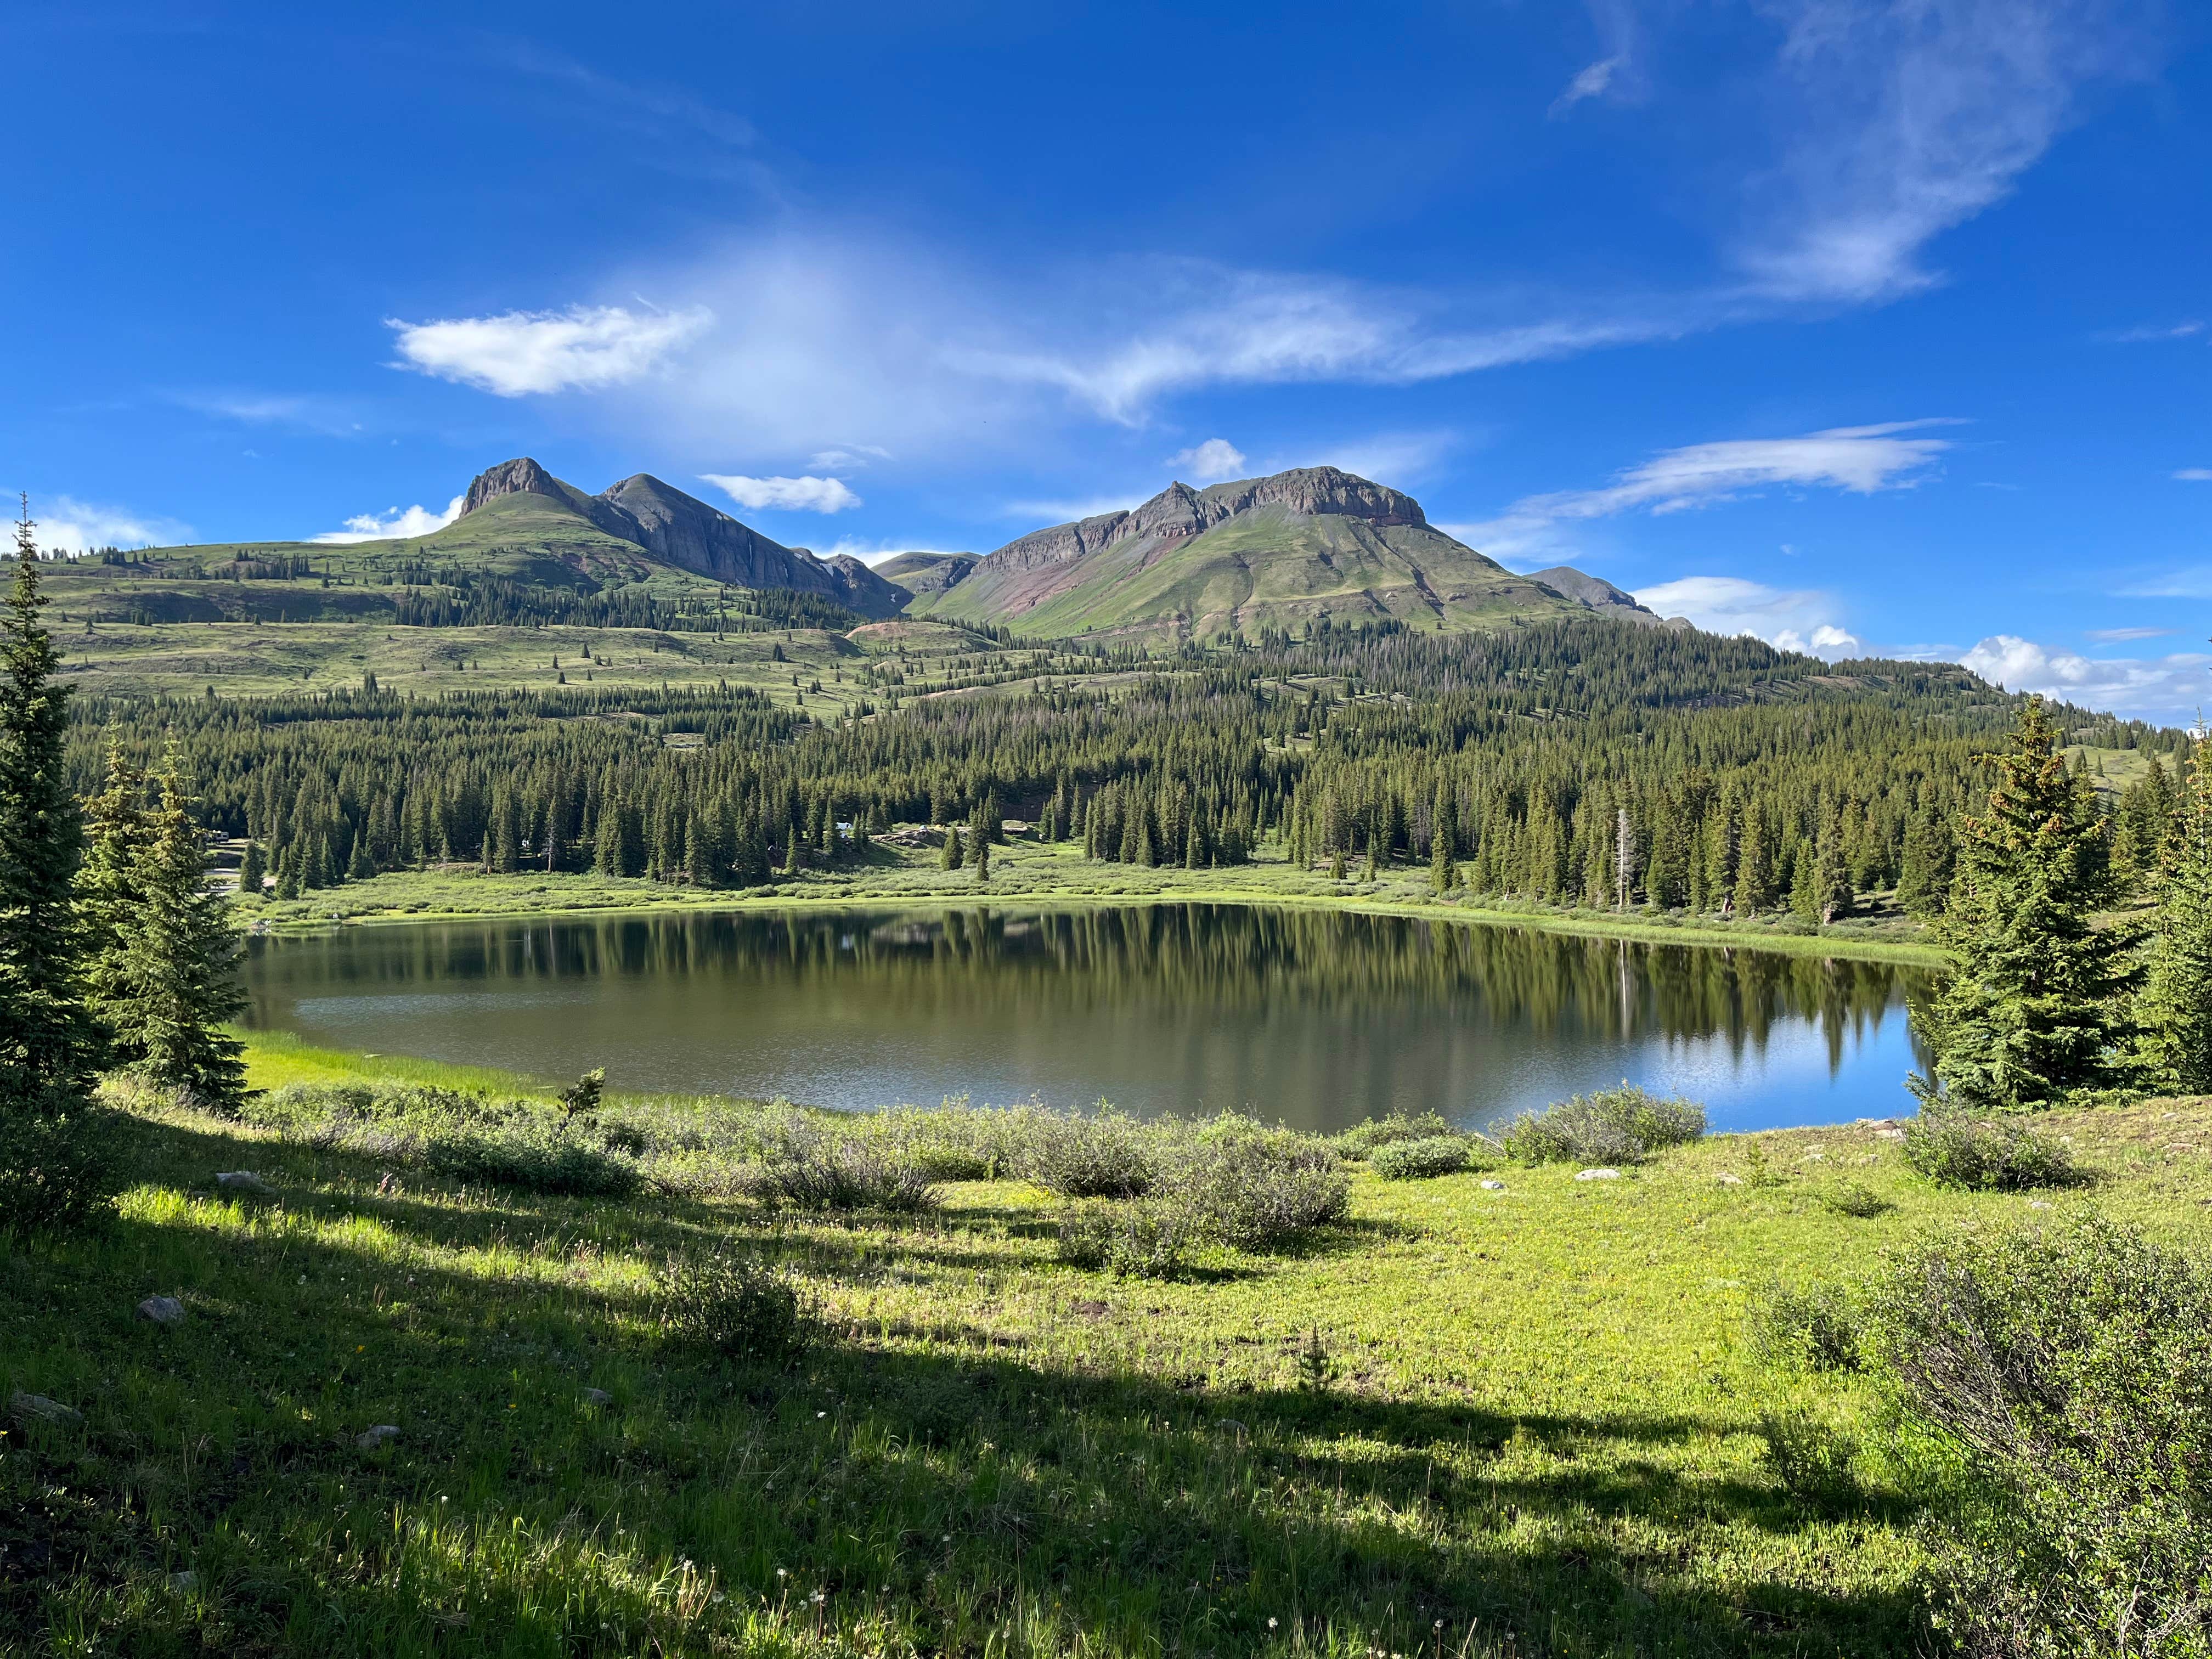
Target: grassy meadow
1465,1419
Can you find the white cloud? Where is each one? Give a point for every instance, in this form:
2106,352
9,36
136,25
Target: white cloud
66,525
1590,83
2156,331
1066,512
1210,462
2169,689
845,460
1860,459
2120,636
394,523
1799,619
519,353
2195,475
806,495
1909,119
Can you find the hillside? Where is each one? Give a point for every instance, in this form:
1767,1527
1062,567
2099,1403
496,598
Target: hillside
1276,553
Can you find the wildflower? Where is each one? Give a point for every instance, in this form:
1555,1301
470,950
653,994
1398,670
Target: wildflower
780,1573
1271,1624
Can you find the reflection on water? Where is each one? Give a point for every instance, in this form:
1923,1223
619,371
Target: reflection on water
1318,1018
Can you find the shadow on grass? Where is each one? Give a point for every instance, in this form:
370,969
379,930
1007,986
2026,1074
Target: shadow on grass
937,1500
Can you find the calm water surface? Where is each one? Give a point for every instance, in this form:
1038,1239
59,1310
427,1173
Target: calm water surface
1317,1018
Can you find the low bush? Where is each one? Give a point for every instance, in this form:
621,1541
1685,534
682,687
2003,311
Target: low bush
1131,1238
1812,1460
1613,1126
1256,1187
848,1175
1850,1198
468,1137
1361,1141
1104,1154
737,1308
1419,1160
1816,1328
2064,1371
1985,1154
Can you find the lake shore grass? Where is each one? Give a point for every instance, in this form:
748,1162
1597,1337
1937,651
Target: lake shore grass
1054,875
1462,1412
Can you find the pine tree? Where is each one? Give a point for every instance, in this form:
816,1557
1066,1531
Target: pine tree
164,980
1923,878
251,870
2030,1013
2175,1008
950,858
58,1167
610,848
982,858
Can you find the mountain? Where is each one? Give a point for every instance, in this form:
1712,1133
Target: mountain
673,528
925,573
1602,597
1281,551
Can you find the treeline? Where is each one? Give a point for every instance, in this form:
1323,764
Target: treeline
462,599
1588,763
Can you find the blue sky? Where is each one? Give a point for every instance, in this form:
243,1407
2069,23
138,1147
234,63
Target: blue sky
1855,325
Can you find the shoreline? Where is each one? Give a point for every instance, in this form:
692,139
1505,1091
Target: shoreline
1583,923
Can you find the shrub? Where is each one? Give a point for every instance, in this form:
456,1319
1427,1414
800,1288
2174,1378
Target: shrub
61,1155
1256,1187
1985,1154
537,1157
1419,1160
1361,1141
1849,1198
1134,1238
848,1174
738,1309
1816,1328
1812,1460
1613,1126
1102,1155
2064,1367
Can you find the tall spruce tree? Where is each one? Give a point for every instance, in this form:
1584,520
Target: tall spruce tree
58,1164
2175,1008
2031,1010
164,968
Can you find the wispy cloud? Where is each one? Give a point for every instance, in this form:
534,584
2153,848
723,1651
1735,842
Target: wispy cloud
519,353
66,525
1208,463
1050,511
2195,475
326,416
1859,459
2154,332
2169,689
2193,581
801,495
846,459
1908,119
1799,619
2121,635
1613,75
394,523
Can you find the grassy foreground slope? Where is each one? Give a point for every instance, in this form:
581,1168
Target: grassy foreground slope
1466,1413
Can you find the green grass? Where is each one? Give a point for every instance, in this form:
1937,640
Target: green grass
1464,1412
1058,874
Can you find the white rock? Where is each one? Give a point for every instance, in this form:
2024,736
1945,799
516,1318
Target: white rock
242,1181
1891,1134
1730,1178
1598,1174
597,1397
162,1311
376,1436
1493,1186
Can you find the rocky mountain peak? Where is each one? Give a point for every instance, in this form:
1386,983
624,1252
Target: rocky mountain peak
519,477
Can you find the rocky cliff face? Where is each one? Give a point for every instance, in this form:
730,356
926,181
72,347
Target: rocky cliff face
1602,596
1180,511
683,531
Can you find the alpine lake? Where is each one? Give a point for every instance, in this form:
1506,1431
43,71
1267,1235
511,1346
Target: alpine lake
1316,1018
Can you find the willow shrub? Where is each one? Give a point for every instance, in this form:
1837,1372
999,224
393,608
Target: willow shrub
1613,1126
1986,1154
2063,1373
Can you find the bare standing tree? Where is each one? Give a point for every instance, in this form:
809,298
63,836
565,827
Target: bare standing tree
1623,854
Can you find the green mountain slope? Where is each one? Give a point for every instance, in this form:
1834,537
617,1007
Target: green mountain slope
1278,552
